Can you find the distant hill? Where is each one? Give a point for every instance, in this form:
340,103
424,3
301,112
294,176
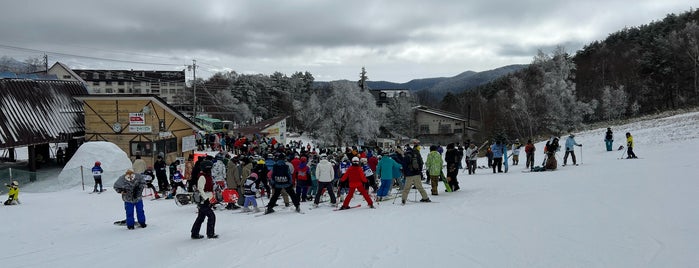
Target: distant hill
439,86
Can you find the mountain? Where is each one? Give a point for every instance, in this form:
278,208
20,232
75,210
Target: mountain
441,85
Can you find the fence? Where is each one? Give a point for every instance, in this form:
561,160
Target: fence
48,180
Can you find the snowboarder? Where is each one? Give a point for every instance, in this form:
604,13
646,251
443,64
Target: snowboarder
412,168
13,194
97,175
515,152
570,149
205,189
130,185
609,139
434,168
451,157
629,146
529,149
471,157
356,178
497,149
325,174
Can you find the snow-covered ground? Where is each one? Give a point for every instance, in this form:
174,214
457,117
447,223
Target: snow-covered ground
607,212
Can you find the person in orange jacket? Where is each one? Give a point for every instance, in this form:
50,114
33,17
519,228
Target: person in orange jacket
357,179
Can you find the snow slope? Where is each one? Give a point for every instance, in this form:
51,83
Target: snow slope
607,212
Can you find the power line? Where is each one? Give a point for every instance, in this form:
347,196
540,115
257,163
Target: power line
86,57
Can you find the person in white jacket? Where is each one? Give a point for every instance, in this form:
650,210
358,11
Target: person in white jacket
325,174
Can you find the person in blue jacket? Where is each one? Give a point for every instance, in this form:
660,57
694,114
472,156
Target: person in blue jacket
570,149
498,150
97,175
385,171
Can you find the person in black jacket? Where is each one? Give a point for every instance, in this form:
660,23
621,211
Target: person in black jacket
451,157
205,188
161,175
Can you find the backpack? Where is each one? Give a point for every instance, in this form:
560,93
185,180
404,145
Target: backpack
414,163
279,174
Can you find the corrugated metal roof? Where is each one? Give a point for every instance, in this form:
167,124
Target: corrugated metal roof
36,112
259,127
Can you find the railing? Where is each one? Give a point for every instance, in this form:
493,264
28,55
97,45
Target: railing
48,179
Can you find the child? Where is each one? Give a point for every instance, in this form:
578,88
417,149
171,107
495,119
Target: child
148,176
97,175
250,192
177,180
13,195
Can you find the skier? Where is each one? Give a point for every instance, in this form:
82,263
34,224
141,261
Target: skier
434,168
471,157
233,180
570,149
355,177
205,188
451,157
498,150
130,185
489,155
609,139
384,170
13,194
281,180
412,168
515,152
177,181
629,145
529,149
97,175
314,179
325,174
301,178
369,173
250,191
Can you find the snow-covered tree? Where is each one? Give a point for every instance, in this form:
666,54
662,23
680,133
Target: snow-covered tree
399,115
613,103
348,114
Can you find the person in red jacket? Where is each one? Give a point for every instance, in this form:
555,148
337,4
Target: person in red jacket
355,175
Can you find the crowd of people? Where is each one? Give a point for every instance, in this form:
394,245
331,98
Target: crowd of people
298,173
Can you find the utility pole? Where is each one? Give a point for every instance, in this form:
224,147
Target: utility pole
193,67
46,63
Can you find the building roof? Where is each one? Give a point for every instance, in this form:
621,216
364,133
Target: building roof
131,75
149,97
39,111
442,113
70,71
259,127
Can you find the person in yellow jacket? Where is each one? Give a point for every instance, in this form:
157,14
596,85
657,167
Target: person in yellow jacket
13,195
629,146
434,168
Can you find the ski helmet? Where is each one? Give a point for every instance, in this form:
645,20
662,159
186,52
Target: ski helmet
15,183
98,163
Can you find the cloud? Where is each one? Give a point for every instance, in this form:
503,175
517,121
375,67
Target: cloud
396,40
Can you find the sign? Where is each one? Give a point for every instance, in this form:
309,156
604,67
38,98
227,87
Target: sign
140,129
165,134
137,119
189,143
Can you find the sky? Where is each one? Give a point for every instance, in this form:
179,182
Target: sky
395,40
606,212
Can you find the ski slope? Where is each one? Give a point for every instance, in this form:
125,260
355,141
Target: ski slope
606,212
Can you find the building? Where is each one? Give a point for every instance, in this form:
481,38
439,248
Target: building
437,126
35,113
274,127
382,96
142,125
164,84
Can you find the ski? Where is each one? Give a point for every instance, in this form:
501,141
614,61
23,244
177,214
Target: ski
412,201
340,208
93,192
263,214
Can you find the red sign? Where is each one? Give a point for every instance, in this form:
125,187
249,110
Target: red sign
137,119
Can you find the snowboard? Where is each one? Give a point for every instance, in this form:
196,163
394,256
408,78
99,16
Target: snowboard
123,223
505,159
103,190
355,206
444,179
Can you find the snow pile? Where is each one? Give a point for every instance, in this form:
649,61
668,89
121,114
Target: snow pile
114,163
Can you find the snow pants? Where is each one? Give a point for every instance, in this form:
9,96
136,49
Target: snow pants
278,191
250,200
497,163
565,157
609,144
384,188
364,194
530,160
98,181
411,181
205,211
140,214
327,186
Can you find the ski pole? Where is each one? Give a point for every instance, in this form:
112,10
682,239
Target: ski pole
581,159
622,154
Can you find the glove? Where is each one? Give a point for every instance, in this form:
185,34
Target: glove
580,145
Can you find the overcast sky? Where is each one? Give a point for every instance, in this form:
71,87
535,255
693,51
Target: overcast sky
395,40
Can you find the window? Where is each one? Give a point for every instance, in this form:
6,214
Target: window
121,83
458,130
95,75
445,129
120,75
165,146
67,77
83,75
97,90
108,75
109,83
108,90
95,83
144,148
121,90
424,129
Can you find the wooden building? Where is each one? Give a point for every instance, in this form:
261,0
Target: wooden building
142,125
437,126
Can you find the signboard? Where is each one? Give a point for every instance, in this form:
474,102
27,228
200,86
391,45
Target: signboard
137,119
189,143
140,129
